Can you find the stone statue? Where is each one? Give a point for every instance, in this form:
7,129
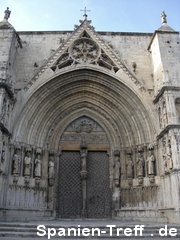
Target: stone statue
16,163
165,117
150,163
160,118
83,158
140,165
163,17
116,200
169,155
116,168
27,165
37,170
7,13
129,166
51,173
165,164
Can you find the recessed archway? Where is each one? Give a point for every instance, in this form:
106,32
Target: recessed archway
42,118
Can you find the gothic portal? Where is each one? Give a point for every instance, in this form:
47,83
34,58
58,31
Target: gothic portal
89,124
84,187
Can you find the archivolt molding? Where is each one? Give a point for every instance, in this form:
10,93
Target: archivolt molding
116,104
73,104
101,106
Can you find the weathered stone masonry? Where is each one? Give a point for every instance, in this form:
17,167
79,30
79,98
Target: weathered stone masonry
89,124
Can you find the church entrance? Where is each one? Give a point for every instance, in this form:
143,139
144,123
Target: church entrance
79,197
83,184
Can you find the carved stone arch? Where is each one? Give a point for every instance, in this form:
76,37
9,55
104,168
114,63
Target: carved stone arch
126,113
84,130
114,137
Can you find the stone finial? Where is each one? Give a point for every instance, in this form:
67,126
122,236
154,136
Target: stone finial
85,13
7,13
163,18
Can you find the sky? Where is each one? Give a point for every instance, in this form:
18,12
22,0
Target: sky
106,15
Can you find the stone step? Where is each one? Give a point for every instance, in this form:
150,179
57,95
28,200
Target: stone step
29,230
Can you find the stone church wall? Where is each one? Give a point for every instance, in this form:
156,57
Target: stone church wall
132,48
116,94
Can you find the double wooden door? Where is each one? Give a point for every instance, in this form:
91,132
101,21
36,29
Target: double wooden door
72,202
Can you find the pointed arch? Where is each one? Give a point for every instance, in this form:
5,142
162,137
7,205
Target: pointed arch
41,119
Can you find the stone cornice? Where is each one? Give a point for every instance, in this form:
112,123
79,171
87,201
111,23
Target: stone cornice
163,89
160,32
166,129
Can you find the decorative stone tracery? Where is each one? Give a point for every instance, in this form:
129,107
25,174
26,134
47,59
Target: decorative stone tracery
85,51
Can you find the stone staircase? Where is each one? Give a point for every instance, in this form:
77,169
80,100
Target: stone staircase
97,230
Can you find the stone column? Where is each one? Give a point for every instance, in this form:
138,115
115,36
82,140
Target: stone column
117,177
16,163
150,162
38,166
129,167
140,165
83,174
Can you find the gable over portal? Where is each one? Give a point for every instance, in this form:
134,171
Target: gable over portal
85,48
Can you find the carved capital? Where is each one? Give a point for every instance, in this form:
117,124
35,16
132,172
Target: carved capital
83,175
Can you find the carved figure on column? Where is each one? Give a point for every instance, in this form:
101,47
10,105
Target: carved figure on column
27,164
165,117
37,170
130,166
165,164
51,170
116,200
117,171
16,165
160,118
150,161
140,165
83,173
169,155
27,167
83,161
16,162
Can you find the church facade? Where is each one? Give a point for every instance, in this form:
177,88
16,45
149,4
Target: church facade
89,124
